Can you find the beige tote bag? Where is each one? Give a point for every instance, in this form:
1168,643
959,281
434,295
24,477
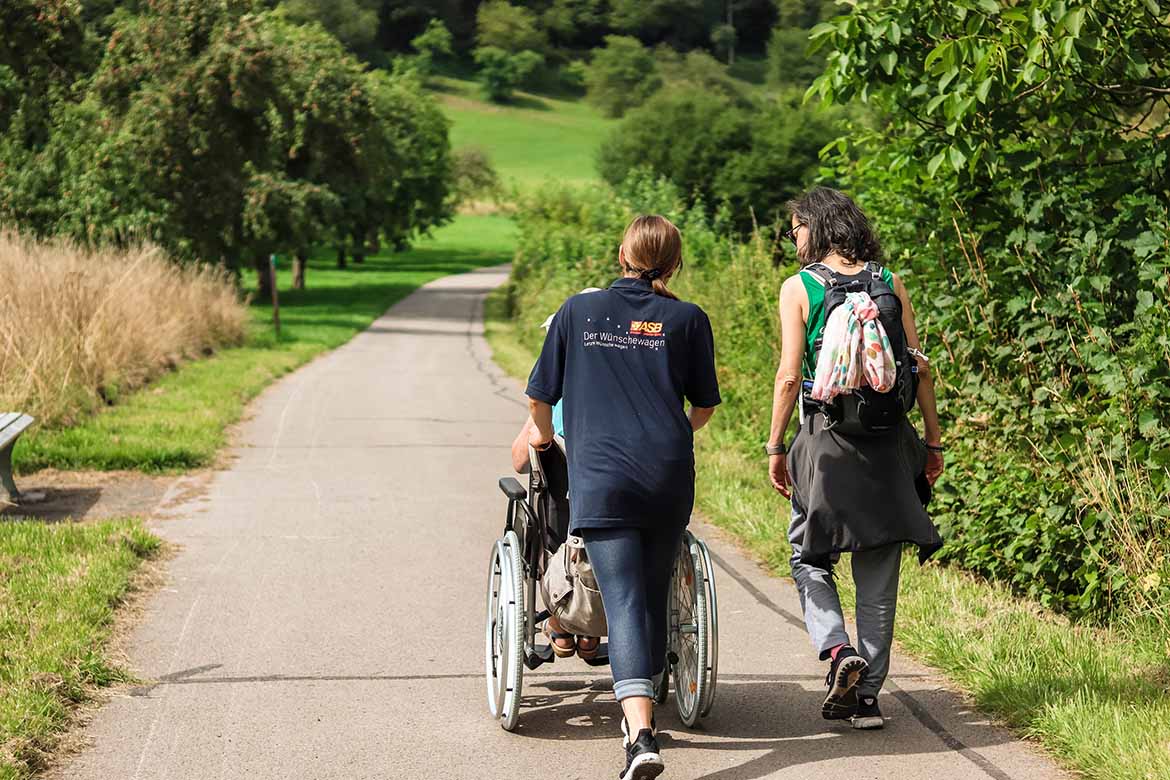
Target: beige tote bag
570,591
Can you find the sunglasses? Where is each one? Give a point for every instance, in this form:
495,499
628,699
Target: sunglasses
790,233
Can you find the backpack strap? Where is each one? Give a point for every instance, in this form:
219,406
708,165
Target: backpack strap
823,275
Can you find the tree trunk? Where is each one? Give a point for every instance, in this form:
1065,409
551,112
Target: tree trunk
300,263
263,278
359,247
341,257
731,24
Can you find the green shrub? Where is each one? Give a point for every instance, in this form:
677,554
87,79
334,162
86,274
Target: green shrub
789,62
501,72
433,45
1023,500
1018,179
509,27
621,75
474,175
698,71
750,159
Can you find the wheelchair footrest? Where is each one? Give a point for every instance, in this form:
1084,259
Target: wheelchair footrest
535,657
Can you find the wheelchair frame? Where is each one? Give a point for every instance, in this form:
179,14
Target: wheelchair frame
512,621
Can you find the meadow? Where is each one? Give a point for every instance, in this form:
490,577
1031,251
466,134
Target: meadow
532,139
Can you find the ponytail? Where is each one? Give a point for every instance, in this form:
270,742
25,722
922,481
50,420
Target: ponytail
653,248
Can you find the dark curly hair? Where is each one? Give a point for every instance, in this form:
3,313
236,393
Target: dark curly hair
834,224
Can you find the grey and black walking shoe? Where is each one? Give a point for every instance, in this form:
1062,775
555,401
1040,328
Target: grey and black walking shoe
643,761
868,715
845,673
626,730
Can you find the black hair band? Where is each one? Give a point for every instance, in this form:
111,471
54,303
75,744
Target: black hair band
650,274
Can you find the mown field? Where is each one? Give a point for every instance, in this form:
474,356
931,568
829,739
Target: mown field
529,141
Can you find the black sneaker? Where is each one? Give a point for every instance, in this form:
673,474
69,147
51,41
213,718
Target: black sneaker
868,715
845,673
626,730
643,761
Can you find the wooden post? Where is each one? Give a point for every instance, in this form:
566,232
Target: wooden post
275,297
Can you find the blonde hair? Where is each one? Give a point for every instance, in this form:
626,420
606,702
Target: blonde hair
652,247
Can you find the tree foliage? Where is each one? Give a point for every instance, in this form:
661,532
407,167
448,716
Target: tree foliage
512,28
354,22
1020,176
433,44
621,75
226,132
501,72
748,160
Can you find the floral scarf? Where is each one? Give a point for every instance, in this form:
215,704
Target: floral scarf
855,351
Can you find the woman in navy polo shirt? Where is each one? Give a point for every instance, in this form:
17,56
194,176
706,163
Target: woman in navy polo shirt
626,360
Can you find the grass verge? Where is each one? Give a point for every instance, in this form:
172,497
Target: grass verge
59,585
179,422
1097,698
531,138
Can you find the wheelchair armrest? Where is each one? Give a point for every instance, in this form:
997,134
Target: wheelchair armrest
513,489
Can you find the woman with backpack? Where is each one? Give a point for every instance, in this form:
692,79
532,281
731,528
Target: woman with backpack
857,473
626,360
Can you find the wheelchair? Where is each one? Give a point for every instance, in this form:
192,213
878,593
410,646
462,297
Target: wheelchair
536,524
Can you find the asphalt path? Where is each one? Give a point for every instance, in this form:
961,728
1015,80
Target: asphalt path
323,618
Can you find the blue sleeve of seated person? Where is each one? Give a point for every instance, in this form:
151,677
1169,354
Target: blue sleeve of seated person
559,418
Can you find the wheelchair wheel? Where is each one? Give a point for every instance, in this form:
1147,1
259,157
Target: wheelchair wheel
712,629
504,631
689,631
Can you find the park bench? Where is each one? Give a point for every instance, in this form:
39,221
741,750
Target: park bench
12,424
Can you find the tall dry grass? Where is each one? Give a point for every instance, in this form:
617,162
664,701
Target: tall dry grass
78,327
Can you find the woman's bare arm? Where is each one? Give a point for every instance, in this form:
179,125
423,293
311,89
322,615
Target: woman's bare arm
927,401
786,390
700,416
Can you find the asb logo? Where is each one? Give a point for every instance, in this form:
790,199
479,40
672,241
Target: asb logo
643,328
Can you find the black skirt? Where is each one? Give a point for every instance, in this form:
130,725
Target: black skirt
859,492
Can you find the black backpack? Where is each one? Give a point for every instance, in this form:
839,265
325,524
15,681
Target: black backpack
866,412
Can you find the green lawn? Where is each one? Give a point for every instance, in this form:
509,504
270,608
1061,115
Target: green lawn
533,139
179,421
59,585
1097,698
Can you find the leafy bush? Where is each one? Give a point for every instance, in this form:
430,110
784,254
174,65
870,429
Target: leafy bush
509,27
714,151
473,174
621,75
432,44
1020,182
789,62
698,71
223,132
501,72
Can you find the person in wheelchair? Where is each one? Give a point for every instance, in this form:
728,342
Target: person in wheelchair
628,359
564,643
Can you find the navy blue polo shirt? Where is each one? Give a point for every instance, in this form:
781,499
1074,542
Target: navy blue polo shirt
624,360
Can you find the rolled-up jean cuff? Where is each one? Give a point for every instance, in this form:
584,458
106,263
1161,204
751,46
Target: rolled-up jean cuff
637,686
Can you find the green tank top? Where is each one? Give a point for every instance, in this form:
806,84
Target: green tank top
816,315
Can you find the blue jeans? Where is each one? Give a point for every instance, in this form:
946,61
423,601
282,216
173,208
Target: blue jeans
633,567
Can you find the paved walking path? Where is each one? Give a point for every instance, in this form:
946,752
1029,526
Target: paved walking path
323,618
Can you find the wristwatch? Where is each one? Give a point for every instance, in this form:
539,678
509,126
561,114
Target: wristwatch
775,449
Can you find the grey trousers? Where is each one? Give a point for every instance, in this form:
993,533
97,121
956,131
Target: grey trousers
875,574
